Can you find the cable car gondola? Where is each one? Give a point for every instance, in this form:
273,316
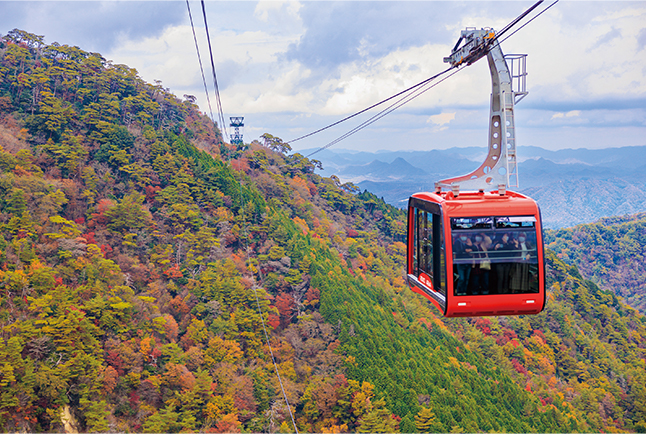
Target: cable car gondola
480,252
476,254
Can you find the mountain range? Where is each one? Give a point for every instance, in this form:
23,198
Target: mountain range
572,186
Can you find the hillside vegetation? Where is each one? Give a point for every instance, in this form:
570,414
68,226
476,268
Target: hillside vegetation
611,252
145,265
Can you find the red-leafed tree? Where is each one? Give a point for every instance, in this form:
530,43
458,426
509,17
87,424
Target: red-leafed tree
99,217
285,304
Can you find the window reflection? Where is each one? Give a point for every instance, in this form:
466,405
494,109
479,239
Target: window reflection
428,254
494,255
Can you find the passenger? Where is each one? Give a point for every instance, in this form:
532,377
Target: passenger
525,247
520,278
481,264
504,248
463,257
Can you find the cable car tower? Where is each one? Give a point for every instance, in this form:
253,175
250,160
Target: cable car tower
499,169
237,122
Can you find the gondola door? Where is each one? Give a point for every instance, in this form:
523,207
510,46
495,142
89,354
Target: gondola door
426,255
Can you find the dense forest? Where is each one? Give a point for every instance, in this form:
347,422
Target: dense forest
154,278
611,252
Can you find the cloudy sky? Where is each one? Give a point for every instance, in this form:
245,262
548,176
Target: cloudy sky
292,67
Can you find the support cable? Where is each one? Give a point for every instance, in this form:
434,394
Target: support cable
418,92
242,200
529,21
520,17
421,83
262,319
394,106
215,78
199,59
273,359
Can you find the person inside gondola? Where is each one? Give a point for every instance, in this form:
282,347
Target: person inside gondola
520,278
481,264
504,248
463,257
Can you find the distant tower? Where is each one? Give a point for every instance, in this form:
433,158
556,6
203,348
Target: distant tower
237,122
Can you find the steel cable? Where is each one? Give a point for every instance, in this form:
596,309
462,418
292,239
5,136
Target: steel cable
199,60
221,117
421,83
384,112
215,79
397,105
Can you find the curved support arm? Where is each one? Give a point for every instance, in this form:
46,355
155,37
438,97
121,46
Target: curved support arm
500,165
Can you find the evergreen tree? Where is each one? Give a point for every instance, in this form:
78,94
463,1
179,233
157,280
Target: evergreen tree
379,419
407,424
425,421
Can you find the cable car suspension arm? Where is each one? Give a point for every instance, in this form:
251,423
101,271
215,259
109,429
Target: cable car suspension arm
499,170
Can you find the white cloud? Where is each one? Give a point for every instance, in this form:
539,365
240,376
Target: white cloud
265,9
570,114
441,121
246,59
362,84
572,58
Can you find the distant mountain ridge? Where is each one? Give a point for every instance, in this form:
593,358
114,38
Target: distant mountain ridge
572,186
377,170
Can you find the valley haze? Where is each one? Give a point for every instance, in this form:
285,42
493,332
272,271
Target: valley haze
572,186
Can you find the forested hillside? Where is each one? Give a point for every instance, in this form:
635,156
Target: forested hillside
611,252
145,265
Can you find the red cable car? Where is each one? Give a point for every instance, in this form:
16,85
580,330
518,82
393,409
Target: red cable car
480,252
476,254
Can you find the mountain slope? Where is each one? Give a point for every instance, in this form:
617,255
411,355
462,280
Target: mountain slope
611,252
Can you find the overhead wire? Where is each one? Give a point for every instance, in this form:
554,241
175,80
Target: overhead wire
215,78
394,106
529,21
273,359
260,312
199,60
414,95
517,19
221,117
421,83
